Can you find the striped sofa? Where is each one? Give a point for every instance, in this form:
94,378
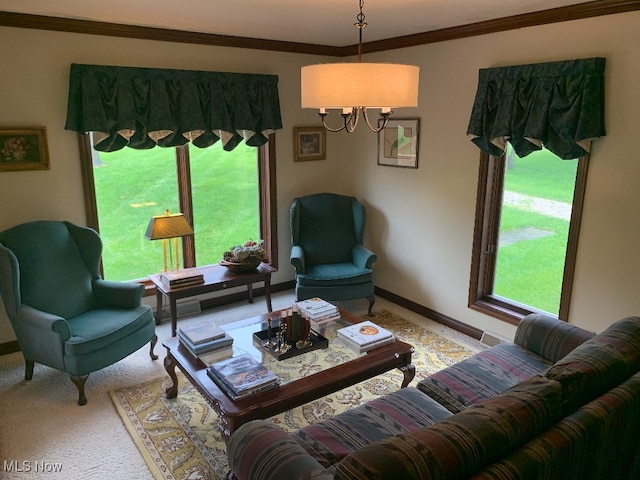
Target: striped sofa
558,403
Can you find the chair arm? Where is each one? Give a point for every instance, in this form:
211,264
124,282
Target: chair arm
549,337
297,258
41,336
261,449
118,294
363,257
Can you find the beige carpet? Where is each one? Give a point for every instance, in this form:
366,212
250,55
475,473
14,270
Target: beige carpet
40,420
179,438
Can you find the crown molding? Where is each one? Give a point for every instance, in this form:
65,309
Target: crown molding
555,15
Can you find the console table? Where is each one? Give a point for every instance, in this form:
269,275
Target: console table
216,277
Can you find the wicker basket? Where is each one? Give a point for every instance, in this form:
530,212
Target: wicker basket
240,267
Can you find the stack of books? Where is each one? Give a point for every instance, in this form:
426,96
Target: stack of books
318,311
365,336
242,376
182,278
207,341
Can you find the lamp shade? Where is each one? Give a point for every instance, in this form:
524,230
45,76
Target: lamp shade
371,85
168,226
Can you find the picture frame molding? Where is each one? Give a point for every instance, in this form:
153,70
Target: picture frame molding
28,148
386,137
319,146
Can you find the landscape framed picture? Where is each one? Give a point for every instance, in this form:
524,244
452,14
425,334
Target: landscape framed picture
398,143
23,149
309,143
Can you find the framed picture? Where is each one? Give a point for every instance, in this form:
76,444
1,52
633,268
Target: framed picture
23,149
309,143
398,143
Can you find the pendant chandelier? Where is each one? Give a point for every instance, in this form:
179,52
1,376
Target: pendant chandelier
354,88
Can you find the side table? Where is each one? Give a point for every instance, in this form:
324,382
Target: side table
216,277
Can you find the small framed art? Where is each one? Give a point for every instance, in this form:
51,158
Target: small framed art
309,143
23,149
398,143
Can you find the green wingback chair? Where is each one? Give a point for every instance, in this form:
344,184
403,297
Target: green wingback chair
63,314
327,251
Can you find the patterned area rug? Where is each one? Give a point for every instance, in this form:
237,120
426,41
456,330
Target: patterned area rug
179,439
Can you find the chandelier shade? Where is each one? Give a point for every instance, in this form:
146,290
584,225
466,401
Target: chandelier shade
368,85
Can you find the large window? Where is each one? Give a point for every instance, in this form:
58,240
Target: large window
526,234
226,196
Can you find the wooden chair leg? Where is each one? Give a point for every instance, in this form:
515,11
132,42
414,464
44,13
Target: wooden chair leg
28,369
79,383
154,340
372,300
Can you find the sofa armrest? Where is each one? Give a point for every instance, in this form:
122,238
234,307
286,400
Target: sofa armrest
549,337
118,294
363,257
261,449
297,259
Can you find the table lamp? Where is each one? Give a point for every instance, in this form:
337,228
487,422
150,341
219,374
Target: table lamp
162,227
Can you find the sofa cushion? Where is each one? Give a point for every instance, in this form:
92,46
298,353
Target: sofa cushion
464,443
401,411
482,376
597,441
599,364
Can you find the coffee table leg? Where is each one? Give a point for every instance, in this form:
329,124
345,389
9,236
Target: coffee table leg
409,371
170,367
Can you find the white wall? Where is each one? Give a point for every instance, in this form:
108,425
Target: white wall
426,217
420,221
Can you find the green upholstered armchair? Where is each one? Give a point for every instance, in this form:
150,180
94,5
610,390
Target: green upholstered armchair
327,252
63,314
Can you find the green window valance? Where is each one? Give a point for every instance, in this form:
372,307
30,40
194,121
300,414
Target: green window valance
558,105
147,107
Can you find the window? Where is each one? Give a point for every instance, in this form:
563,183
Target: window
502,284
120,200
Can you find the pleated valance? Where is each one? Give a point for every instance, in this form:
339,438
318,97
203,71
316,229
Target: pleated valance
147,107
558,105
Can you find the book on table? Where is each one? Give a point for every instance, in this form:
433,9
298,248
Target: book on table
213,356
316,308
201,348
365,336
202,332
182,278
242,376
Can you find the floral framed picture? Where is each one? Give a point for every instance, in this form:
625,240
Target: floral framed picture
23,149
309,143
398,143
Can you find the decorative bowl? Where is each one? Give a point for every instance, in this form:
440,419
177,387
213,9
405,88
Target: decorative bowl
240,267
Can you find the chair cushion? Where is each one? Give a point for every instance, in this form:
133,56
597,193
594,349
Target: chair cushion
482,376
401,411
335,274
97,329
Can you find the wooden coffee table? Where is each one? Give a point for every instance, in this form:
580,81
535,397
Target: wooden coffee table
304,383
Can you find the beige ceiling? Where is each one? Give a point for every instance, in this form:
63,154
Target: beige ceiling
322,22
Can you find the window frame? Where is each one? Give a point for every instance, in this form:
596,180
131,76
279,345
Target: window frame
267,197
485,239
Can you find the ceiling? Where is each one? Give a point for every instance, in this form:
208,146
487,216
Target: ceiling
321,22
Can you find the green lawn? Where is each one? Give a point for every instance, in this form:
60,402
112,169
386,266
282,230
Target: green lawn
133,185
530,271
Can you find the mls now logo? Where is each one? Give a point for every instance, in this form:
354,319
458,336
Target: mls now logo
29,466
